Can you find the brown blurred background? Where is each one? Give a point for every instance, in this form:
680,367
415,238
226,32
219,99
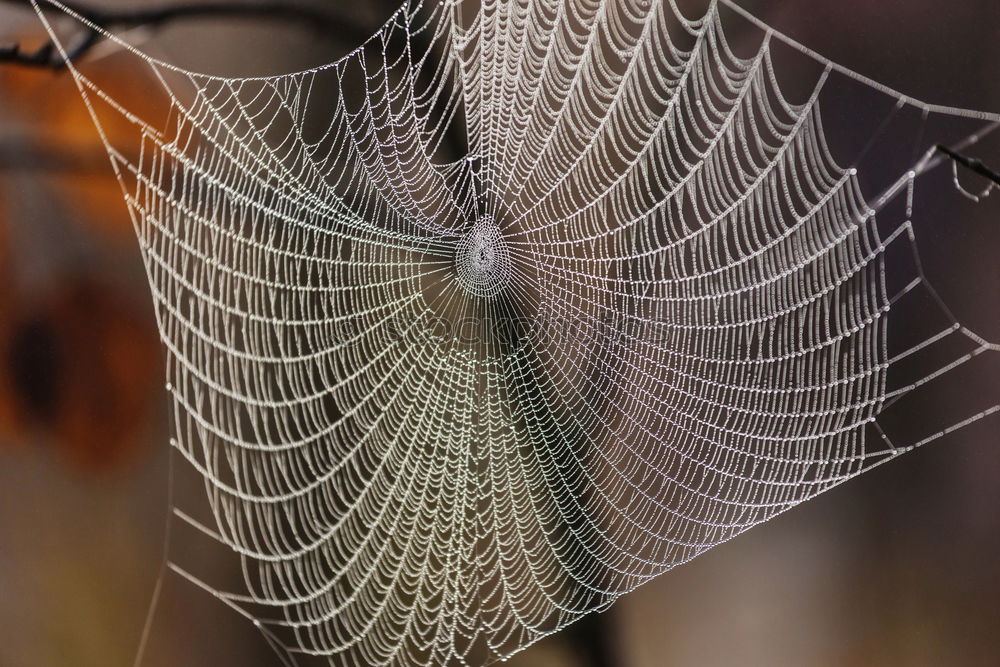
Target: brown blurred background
898,567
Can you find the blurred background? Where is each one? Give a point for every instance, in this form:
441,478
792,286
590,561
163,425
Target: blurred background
898,567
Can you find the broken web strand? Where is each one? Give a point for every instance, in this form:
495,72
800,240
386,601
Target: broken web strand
383,194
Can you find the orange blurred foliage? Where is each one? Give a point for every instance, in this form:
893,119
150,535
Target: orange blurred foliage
79,362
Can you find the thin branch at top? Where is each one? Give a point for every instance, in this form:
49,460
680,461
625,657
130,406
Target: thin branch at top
48,57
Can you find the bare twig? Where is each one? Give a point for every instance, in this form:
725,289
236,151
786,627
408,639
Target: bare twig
972,164
48,57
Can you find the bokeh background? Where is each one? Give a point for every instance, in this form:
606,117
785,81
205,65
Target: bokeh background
898,567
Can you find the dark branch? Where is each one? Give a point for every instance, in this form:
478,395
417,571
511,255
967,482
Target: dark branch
328,25
48,56
971,164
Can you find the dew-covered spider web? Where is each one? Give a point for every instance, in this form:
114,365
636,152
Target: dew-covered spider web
518,306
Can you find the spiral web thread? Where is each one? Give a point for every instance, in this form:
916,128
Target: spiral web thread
674,304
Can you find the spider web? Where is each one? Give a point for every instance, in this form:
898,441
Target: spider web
510,310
